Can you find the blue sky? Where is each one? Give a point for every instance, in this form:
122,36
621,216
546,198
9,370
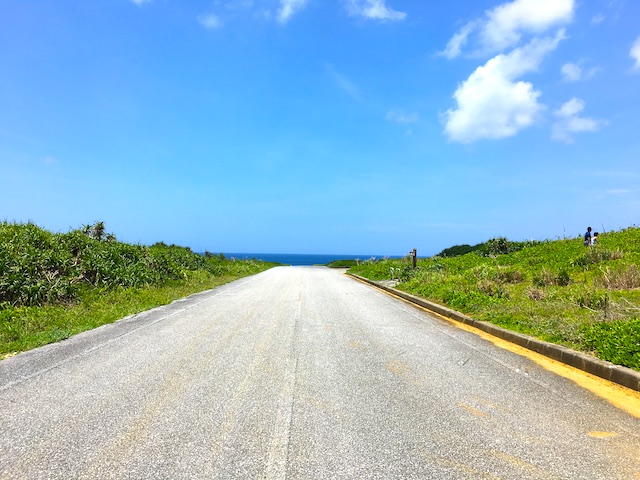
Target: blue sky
321,126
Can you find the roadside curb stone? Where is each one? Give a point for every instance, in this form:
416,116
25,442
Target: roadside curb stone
615,373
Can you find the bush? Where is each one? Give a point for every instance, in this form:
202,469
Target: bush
38,267
597,254
547,277
496,246
563,279
595,300
492,289
457,250
502,246
535,294
34,266
510,275
342,263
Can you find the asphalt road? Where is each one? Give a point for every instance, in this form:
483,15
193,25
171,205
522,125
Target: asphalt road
300,373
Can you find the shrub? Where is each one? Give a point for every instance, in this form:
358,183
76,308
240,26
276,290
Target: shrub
502,246
563,278
510,276
492,289
457,250
342,264
407,272
535,294
594,300
496,246
544,278
38,267
597,254
547,277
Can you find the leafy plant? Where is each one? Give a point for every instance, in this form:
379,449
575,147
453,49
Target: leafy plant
617,342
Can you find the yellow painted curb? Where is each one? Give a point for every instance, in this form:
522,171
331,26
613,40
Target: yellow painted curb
624,398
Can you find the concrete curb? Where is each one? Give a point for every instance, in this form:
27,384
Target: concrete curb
615,373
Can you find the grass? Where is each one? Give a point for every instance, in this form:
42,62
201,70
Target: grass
26,327
53,286
587,298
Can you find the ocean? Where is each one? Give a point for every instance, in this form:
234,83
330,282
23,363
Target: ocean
298,259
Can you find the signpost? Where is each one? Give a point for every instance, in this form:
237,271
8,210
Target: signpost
414,257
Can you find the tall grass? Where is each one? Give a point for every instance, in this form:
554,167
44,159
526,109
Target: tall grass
53,285
587,298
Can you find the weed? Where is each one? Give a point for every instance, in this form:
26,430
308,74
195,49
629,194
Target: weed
510,275
547,277
621,278
597,254
535,293
492,289
594,300
563,278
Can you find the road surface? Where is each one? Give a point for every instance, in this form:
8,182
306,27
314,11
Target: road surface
300,373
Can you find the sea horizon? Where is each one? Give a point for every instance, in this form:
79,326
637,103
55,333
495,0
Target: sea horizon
302,259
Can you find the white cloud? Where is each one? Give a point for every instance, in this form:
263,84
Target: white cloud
401,117
571,72
491,103
288,8
373,9
635,53
140,2
502,27
598,19
210,21
342,82
454,47
570,108
507,21
569,121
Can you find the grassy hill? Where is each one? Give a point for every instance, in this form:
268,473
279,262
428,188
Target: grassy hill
54,285
587,298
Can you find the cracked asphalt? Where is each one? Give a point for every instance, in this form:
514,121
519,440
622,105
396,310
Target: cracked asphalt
299,373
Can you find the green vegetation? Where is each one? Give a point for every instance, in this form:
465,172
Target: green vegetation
343,263
55,285
587,298
495,246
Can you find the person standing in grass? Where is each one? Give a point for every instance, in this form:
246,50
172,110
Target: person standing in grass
587,237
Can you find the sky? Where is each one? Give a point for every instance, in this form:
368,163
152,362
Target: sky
321,126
